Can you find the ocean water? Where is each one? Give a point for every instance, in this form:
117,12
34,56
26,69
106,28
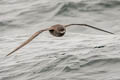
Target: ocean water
81,54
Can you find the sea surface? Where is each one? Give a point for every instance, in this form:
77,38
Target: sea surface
81,54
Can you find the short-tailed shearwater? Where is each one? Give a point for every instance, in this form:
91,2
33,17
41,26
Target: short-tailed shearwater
57,30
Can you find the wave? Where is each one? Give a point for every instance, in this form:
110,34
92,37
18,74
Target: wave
74,8
22,15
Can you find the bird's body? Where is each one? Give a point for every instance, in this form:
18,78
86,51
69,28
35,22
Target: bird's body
57,30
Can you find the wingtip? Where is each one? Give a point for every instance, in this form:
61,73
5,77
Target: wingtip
8,54
112,33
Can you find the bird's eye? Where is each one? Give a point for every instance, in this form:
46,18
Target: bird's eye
51,30
61,29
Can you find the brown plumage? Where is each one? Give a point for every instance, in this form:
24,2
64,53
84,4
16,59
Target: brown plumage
57,30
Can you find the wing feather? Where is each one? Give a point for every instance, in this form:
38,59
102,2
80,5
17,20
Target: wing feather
27,41
90,27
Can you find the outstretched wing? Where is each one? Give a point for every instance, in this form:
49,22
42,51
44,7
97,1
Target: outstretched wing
90,27
28,40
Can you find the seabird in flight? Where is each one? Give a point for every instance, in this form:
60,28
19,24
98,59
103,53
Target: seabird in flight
57,30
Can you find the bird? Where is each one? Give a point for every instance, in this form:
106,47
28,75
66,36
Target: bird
57,30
